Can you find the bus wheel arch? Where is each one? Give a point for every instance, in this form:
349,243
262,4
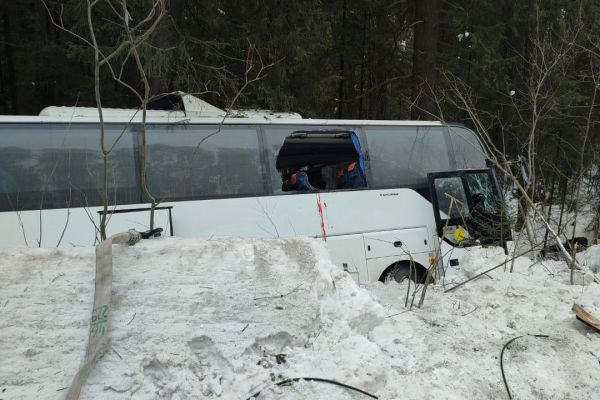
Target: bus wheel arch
401,270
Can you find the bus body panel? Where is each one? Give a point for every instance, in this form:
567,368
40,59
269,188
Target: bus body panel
310,214
400,242
348,252
386,248
337,217
351,221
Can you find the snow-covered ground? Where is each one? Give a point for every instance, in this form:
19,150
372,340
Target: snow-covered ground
226,318
450,349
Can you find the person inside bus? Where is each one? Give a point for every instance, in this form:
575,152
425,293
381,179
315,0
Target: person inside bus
298,181
351,177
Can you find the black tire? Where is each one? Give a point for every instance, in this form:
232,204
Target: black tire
402,272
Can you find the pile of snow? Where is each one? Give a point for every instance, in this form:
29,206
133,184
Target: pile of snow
451,347
590,258
189,319
226,318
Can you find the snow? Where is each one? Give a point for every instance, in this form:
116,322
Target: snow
228,317
452,346
590,258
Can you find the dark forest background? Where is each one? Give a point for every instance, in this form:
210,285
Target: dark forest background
377,59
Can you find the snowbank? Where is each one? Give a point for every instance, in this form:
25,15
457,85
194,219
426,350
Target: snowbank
190,319
451,347
590,258
226,318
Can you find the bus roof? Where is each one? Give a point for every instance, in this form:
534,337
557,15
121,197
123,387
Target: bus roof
178,119
196,111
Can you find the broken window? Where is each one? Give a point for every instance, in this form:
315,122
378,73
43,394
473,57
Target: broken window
320,160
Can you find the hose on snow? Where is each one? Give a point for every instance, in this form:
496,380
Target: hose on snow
322,380
502,359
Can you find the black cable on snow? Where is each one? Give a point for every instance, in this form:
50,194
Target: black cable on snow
502,360
291,380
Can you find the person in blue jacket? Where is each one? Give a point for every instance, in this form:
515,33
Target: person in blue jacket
298,181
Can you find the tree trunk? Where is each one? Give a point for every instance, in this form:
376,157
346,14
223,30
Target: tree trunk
3,91
427,14
166,37
342,68
362,67
10,64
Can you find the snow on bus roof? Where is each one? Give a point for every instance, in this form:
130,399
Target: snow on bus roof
195,111
180,118
192,107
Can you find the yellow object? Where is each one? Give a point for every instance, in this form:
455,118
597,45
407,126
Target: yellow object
459,234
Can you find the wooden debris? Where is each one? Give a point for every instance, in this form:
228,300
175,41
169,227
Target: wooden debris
586,317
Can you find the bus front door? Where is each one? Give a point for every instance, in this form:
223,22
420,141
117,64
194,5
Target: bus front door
468,208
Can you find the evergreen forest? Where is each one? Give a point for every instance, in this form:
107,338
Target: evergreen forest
524,74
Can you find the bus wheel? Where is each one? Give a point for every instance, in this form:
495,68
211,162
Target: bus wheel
402,271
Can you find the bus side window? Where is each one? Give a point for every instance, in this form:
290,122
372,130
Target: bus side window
274,138
59,165
199,161
403,156
322,176
312,160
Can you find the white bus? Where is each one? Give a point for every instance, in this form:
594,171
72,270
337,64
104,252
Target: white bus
214,176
